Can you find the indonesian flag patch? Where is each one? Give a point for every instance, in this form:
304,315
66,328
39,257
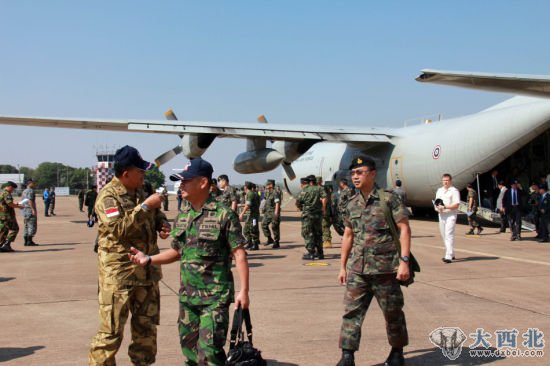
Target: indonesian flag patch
112,212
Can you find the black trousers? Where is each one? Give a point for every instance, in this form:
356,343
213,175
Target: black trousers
514,220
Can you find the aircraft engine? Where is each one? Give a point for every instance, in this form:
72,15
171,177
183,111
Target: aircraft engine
194,145
292,150
257,161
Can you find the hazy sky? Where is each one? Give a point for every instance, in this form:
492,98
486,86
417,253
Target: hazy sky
350,63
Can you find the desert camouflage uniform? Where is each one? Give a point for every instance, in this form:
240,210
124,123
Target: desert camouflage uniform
327,217
8,220
124,286
29,219
205,240
309,202
371,269
271,199
252,217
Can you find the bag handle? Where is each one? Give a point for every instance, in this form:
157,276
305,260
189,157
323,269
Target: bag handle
239,316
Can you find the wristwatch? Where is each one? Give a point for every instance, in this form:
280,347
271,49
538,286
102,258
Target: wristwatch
404,258
145,207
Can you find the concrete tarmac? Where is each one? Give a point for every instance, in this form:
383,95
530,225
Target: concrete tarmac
48,298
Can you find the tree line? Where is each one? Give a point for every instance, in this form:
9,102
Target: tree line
48,174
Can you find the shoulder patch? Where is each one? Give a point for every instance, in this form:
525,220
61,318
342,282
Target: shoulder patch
112,212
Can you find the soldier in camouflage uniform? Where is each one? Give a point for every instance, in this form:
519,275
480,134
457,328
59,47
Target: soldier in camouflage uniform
312,203
272,214
327,216
345,195
8,220
251,216
29,213
374,267
229,195
214,190
472,211
127,219
206,235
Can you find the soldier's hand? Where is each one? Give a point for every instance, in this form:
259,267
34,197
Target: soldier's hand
242,300
154,201
343,277
164,230
138,257
403,273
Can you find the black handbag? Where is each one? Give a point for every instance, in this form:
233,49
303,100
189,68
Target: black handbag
241,352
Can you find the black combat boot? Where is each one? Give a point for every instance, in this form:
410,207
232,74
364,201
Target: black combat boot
26,240
471,232
248,245
348,359
276,245
308,256
479,230
395,357
255,246
269,241
6,247
31,242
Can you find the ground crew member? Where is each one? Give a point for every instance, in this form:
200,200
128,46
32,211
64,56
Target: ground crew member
373,264
127,219
251,216
29,213
272,214
544,212
165,198
229,195
46,198
8,220
312,202
206,235
472,211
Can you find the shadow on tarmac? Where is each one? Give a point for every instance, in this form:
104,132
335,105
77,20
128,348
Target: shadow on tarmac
434,356
280,363
62,244
480,258
10,353
43,250
264,256
6,279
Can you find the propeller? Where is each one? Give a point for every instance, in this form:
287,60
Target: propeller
172,153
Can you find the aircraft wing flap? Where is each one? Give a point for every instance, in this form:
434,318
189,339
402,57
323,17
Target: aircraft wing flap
221,129
532,85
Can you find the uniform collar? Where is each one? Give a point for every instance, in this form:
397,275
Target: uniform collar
209,205
118,186
374,194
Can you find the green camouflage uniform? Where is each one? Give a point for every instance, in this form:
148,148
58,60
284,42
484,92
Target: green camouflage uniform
371,270
327,217
252,218
29,219
124,286
227,196
205,240
472,219
271,199
309,202
8,220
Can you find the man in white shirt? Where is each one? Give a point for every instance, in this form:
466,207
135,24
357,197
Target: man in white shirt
447,202
503,217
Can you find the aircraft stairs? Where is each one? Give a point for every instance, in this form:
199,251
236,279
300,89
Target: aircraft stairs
491,216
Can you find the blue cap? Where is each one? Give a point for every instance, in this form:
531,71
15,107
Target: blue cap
129,156
195,168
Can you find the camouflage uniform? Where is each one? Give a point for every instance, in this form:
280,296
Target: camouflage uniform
472,219
327,218
309,202
8,220
29,219
124,286
205,240
227,196
371,269
52,202
252,218
271,199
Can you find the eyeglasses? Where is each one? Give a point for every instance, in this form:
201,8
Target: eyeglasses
359,172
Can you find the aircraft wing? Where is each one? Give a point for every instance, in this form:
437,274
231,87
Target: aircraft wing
220,129
532,85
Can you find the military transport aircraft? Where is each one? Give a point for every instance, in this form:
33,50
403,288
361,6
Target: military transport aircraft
417,155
